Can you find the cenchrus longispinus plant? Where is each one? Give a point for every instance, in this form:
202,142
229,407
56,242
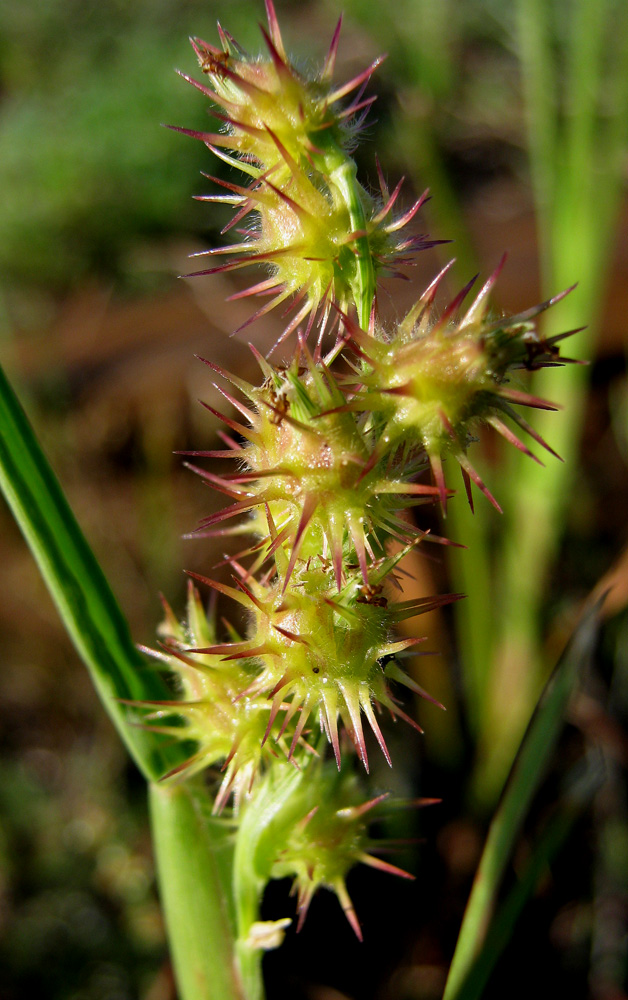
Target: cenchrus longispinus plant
328,452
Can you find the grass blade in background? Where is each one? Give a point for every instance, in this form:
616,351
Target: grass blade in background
577,139
78,587
525,777
546,848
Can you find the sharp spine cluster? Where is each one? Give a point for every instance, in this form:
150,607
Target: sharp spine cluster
325,463
323,237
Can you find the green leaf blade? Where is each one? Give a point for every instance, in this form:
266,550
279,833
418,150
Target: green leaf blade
78,587
525,777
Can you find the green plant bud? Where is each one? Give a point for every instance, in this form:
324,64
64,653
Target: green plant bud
320,834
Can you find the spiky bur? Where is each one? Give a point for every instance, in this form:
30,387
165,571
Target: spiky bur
319,643
312,655
324,465
313,473
438,377
320,234
323,656
319,833
228,730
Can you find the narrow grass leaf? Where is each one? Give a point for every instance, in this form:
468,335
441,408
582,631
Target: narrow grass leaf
78,587
543,853
524,779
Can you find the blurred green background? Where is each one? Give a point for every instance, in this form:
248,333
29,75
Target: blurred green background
99,335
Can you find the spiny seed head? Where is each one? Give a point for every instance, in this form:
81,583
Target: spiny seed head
268,100
303,234
307,219
324,834
324,653
227,729
438,378
313,471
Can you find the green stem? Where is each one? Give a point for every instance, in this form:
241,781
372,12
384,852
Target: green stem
341,173
193,859
344,177
255,851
